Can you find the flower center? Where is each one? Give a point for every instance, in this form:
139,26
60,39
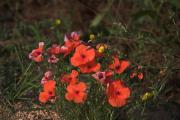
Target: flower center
117,93
83,56
100,75
50,93
77,92
117,67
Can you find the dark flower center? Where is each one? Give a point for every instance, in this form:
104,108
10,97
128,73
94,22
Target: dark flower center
50,93
83,56
89,67
100,75
117,67
117,93
77,92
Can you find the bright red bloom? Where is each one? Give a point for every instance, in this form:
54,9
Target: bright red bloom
48,91
44,97
36,54
55,49
83,55
71,42
66,50
70,78
119,66
76,92
90,67
49,87
103,77
117,93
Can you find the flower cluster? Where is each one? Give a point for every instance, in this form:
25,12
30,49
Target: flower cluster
84,59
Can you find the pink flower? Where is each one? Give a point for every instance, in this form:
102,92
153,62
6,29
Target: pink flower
47,76
103,77
53,59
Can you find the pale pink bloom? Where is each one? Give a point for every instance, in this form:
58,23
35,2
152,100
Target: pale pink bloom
103,77
44,80
48,74
53,59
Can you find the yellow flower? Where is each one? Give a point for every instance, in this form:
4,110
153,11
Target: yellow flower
147,96
92,37
57,22
101,49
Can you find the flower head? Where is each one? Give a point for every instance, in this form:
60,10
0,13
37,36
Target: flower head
117,93
103,77
119,66
70,78
44,97
57,22
83,54
53,59
36,54
71,42
55,49
101,47
49,86
139,75
147,96
47,76
76,92
48,91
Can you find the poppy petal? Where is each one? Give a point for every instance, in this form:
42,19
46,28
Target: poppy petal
43,97
69,96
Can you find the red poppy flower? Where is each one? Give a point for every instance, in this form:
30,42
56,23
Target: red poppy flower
44,97
55,49
48,91
36,54
119,66
117,93
90,67
103,77
49,87
65,50
76,92
70,78
83,54
71,42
